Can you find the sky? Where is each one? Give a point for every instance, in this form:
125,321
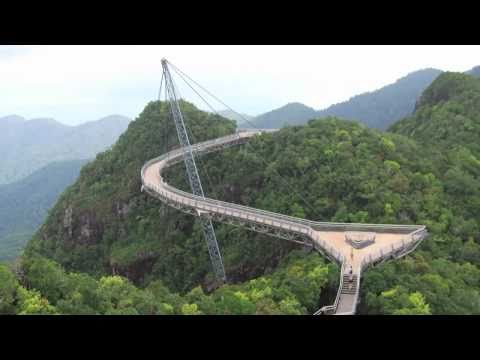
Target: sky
75,84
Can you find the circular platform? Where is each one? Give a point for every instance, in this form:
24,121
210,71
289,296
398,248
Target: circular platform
359,239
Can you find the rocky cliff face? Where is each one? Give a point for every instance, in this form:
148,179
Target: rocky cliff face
81,229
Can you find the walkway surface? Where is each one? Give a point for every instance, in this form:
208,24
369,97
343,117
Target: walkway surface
326,237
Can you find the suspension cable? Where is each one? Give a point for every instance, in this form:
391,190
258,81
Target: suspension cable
209,93
160,89
180,73
193,141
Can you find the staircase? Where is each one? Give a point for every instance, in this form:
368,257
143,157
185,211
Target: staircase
348,295
349,286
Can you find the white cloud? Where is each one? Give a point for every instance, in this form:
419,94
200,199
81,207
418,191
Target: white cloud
80,83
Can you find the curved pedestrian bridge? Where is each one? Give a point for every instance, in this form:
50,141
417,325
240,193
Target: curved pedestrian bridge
333,240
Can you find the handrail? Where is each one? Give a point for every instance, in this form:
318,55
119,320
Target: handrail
339,291
334,306
387,251
357,292
271,215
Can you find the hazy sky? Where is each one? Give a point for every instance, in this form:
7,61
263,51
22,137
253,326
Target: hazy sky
74,84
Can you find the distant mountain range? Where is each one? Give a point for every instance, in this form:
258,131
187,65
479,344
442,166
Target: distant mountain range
29,145
24,204
377,109
381,108
475,71
291,114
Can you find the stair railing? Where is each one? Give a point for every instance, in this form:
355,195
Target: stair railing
333,308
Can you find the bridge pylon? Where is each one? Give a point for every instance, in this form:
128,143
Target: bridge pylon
192,172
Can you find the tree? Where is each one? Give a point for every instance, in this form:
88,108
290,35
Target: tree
397,301
116,295
32,303
8,290
417,306
46,276
191,309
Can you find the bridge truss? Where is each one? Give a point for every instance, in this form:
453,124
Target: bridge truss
192,171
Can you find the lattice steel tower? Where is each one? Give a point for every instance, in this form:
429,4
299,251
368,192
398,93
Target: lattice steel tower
192,172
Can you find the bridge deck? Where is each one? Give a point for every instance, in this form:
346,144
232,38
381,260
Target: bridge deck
329,238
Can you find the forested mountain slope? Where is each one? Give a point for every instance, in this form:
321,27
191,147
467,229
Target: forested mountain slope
24,204
447,114
376,109
381,108
446,126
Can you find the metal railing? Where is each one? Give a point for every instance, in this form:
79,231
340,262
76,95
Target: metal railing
357,293
407,245
333,308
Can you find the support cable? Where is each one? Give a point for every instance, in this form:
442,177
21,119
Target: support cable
178,71
160,89
182,75
193,141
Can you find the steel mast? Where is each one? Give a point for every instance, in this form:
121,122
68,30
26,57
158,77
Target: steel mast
192,172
